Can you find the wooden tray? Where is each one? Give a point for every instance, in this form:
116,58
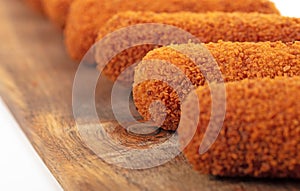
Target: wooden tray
36,78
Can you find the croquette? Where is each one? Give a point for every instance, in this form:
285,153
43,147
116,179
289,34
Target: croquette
37,5
236,61
57,11
260,136
86,17
209,27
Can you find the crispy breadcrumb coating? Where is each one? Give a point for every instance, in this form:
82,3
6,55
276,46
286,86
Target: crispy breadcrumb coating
87,16
209,27
237,61
57,11
260,136
37,5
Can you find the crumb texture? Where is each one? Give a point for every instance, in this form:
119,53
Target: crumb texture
260,136
236,61
208,27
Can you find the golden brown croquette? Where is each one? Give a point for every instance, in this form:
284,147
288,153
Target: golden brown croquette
57,11
209,27
37,5
86,17
236,61
260,136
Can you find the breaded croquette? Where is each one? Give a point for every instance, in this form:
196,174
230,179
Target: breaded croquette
57,11
209,27
37,5
86,17
236,61
260,136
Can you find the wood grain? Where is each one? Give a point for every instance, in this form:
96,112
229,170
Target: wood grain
36,79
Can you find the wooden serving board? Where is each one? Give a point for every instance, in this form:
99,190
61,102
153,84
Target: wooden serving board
36,78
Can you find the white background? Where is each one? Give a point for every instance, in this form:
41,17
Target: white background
288,7
20,166
22,169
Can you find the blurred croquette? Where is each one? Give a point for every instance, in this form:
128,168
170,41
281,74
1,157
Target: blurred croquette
57,11
86,17
37,5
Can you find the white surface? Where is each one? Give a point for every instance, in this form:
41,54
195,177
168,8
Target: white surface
20,166
289,8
